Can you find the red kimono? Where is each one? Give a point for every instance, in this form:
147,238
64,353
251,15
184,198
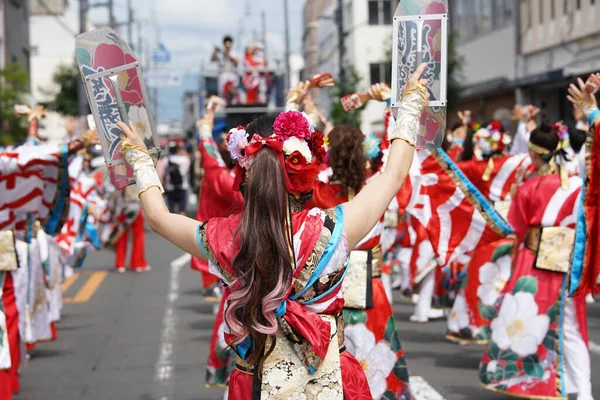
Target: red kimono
307,353
371,334
524,356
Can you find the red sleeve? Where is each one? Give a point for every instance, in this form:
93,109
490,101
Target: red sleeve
517,215
217,197
325,196
456,152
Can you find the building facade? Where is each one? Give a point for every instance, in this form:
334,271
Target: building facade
313,10
523,51
14,35
367,27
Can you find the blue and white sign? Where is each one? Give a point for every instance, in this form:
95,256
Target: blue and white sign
161,79
161,55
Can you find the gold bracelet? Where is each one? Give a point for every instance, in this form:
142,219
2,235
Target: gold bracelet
125,144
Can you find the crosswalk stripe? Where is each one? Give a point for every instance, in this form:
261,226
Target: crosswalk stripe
421,390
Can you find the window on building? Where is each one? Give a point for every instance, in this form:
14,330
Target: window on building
529,14
380,72
552,10
541,11
380,12
373,12
579,4
387,12
565,7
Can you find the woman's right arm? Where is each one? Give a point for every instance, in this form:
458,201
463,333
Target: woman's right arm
362,213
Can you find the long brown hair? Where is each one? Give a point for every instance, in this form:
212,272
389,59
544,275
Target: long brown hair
346,157
263,263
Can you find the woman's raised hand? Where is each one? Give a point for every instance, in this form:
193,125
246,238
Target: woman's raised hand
131,135
579,95
415,80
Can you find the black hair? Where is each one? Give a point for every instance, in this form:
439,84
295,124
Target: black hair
468,146
227,38
546,137
577,139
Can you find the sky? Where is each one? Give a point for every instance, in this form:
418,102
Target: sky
191,28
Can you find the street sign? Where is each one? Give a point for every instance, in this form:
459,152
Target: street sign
162,79
161,55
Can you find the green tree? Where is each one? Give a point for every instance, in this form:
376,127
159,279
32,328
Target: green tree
64,101
338,114
14,86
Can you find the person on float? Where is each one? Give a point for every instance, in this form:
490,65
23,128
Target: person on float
537,334
227,78
285,266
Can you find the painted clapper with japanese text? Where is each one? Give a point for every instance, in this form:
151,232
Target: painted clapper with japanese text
421,35
116,92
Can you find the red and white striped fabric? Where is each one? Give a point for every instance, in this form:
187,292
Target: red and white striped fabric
504,174
84,191
29,178
442,202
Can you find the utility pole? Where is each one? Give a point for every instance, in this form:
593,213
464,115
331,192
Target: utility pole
287,44
138,46
82,101
341,42
130,24
111,14
263,18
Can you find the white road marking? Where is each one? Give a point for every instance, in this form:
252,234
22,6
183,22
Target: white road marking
163,378
181,261
594,347
421,390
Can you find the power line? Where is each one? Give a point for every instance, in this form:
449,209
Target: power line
56,16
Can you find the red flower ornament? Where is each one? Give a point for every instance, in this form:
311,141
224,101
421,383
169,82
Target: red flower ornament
109,56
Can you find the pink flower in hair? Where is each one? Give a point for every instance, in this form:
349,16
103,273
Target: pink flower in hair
292,124
561,130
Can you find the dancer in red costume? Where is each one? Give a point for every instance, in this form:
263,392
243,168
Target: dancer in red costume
216,197
284,266
369,325
496,176
538,342
41,195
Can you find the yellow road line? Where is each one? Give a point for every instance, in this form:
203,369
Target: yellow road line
88,289
69,282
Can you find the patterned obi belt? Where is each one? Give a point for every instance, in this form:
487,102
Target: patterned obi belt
284,374
552,247
357,287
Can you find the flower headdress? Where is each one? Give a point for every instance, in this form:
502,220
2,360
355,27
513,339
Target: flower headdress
297,143
491,139
371,146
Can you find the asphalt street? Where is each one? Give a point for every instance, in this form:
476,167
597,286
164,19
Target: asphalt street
146,337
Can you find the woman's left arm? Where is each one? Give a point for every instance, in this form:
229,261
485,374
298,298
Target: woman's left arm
177,229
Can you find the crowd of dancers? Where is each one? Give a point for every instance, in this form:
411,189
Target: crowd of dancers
302,238
54,208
